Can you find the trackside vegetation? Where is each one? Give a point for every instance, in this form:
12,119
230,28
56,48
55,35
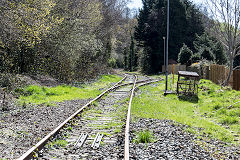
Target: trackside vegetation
213,112
48,95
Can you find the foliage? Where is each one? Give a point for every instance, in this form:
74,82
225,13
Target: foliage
112,63
132,57
211,112
185,54
27,20
67,39
23,25
152,28
145,61
209,48
206,53
237,61
195,58
125,61
224,20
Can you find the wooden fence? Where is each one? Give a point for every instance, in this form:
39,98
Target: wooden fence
177,68
236,80
216,73
219,73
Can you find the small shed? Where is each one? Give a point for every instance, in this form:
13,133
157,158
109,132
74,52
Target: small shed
187,83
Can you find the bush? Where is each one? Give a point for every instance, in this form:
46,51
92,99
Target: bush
195,58
207,54
7,81
112,63
185,54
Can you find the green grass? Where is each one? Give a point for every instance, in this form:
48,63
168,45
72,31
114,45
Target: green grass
49,95
144,137
59,143
209,112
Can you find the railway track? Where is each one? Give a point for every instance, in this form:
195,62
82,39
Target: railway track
95,131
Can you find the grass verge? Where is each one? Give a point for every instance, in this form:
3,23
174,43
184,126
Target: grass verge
48,95
212,111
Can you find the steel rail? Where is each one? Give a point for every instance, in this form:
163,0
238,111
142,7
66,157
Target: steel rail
127,128
142,81
126,146
149,82
30,153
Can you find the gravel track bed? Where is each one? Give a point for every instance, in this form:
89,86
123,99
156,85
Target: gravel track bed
20,129
105,117
172,142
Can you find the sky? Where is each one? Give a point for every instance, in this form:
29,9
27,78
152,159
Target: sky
138,3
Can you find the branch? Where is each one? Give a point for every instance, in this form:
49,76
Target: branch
236,67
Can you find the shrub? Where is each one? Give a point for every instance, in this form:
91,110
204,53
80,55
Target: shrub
112,63
207,54
185,54
6,80
195,58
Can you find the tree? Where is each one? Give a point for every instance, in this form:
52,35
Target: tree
185,24
237,62
185,54
210,48
226,20
145,61
67,39
23,25
206,53
75,42
125,62
132,58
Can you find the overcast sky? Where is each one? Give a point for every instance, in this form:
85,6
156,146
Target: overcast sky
138,3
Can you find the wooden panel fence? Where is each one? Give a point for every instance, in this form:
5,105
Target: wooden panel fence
236,80
177,68
216,73
219,73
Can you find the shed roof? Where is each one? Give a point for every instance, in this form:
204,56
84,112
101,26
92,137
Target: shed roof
188,74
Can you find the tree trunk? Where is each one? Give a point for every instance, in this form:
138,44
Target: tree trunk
230,73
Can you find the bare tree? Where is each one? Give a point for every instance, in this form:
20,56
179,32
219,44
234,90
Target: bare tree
225,16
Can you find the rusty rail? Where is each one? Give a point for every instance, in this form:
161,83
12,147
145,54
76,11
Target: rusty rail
30,153
126,146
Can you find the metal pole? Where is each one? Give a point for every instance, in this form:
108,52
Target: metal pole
164,42
167,46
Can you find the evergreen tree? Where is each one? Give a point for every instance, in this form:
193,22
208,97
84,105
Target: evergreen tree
206,44
125,58
236,62
185,54
185,23
132,57
108,51
220,54
207,54
145,61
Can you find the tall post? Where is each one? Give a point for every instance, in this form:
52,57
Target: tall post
164,51
167,47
